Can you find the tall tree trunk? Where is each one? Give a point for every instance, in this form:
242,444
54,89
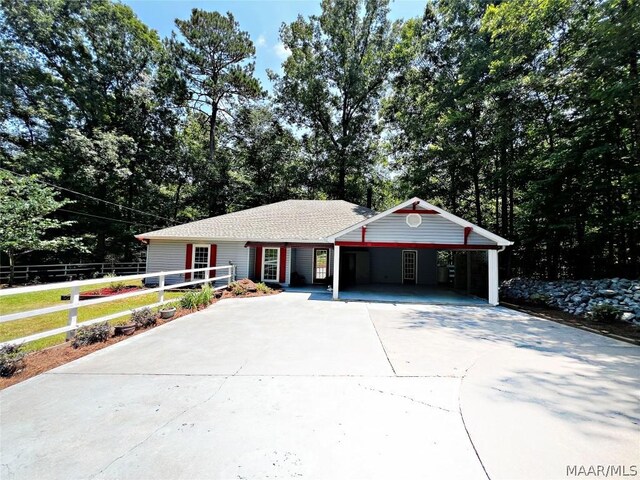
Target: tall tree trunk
213,122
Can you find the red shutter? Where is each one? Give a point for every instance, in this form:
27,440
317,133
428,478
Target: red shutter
258,268
212,260
187,261
283,264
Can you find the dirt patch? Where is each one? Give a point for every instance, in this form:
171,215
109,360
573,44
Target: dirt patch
617,329
52,357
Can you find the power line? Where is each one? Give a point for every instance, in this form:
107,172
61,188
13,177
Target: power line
105,218
93,198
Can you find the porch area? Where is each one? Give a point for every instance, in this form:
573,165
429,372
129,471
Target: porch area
418,294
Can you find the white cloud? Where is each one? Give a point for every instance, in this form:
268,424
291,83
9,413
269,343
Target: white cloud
262,41
282,51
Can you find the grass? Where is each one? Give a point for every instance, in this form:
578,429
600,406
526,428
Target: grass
40,323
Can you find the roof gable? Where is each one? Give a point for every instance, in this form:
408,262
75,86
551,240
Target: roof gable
421,205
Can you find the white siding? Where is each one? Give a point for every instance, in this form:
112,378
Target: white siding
394,228
164,256
233,252
167,255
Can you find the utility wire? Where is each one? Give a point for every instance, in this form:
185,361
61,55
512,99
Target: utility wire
93,198
105,218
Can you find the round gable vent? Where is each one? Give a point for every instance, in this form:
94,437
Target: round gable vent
414,220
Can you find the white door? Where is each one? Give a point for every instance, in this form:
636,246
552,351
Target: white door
409,266
270,265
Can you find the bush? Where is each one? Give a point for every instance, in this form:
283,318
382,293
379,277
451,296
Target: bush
144,318
116,286
11,360
539,299
237,289
606,314
262,288
189,301
205,296
91,334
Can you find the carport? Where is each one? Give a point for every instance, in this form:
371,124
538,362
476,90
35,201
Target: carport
395,254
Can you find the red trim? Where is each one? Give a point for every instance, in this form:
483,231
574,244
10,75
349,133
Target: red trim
425,212
467,231
440,246
213,253
187,261
364,232
283,264
258,266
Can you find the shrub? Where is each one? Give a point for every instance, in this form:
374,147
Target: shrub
237,289
606,314
263,287
11,360
115,286
144,318
91,334
189,301
539,299
205,296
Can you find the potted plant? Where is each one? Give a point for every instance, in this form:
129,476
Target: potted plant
124,328
167,312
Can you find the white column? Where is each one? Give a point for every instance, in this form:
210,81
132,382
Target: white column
493,276
336,270
287,276
161,287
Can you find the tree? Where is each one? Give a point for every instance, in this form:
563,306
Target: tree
25,207
338,69
214,57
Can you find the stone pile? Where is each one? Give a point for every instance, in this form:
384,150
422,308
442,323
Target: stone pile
577,296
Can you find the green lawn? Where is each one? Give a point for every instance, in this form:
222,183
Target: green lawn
32,301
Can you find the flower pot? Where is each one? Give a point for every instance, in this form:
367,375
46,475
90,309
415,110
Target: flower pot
127,329
166,313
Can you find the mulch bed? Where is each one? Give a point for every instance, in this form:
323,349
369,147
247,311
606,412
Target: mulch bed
105,292
626,330
49,358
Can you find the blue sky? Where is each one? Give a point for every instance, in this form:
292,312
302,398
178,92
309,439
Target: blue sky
261,18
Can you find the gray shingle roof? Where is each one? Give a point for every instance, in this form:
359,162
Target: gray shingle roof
310,220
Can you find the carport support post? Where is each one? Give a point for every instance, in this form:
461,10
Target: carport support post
492,260
336,270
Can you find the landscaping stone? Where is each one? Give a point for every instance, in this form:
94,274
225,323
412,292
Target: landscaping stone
578,297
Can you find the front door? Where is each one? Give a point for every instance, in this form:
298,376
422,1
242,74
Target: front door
409,267
320,265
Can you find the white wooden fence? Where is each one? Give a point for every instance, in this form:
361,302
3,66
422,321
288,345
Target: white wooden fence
62,271
75,303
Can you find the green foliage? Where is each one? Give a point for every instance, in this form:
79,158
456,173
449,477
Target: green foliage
189,301
237,289
88,335
204,296
116,286
539,299
338,69
25,208
144,318
606,313
263,288
11,360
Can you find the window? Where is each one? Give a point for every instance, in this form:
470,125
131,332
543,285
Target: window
201,260
270,265
414,220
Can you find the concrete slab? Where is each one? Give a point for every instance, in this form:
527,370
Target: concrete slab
296,385
418,294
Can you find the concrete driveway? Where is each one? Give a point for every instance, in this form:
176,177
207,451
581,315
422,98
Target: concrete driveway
292,387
